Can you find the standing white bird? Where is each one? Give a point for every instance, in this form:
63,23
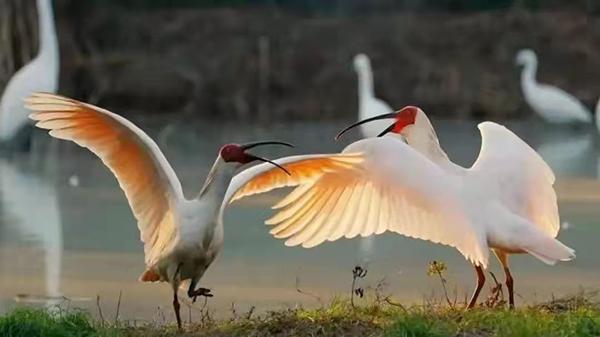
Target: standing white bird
41,74
181,236
369,105
504,202
553,104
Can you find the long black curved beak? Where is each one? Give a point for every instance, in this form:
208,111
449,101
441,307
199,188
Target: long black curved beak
255,144
384,116
248,146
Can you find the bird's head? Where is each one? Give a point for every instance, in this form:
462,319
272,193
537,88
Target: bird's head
238,153
525,56
361,62
404,120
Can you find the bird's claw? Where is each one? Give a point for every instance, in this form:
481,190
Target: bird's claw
200,292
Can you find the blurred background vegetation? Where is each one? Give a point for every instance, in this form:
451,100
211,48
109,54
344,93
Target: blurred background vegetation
272,60
353,6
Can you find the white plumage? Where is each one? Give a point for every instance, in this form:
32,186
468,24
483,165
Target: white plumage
553,104
368,104
504,202
41,74
181,236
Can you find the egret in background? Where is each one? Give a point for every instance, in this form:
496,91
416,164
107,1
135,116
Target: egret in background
369,105
41,74
504,202
553,104
181,236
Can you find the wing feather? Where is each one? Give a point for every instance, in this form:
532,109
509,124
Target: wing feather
521,179
144,174
375,185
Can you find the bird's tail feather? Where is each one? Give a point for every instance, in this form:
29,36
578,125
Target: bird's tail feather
549,250
527,236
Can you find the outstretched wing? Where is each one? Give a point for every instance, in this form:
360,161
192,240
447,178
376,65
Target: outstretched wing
149,182
374,185
521,179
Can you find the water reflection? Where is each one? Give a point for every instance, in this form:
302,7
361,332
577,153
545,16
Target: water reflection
31,214
566,155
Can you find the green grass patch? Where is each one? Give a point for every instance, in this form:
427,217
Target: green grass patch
575,316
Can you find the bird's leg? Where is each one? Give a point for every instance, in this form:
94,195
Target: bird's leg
194,293
176,307
511,291
480,283
503,258
496,291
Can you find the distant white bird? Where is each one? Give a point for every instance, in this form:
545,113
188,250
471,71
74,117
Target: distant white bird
553,104
41,74
369,105
504,202
181,236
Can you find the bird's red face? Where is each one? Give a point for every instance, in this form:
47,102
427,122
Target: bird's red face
236,153
403,118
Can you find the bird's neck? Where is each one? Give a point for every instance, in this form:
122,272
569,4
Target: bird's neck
528,74
47,31
423,138
365,85
217,181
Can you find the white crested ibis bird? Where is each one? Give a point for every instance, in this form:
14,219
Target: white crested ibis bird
505,201
181,236
368,105
40,74
553,104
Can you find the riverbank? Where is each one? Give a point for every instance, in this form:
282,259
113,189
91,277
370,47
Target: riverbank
573,316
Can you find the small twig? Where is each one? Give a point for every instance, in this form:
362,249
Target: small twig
497,295
455,296
300,291
443,280
438,268
233,311
395,304
118,306
99,309
250,312
205,303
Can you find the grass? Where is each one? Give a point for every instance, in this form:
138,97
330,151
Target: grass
574,316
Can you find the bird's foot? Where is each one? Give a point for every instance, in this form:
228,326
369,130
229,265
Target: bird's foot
200,292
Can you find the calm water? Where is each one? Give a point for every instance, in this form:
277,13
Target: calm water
66,229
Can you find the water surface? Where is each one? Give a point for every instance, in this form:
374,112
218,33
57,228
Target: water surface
67,231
